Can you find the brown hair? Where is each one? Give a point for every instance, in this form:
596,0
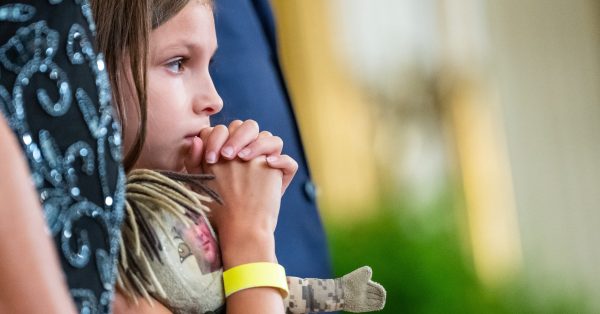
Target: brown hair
123,31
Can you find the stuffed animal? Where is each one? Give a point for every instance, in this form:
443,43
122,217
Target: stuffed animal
170,251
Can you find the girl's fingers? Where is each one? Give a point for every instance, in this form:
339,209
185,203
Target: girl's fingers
193,160
204,133
213,142
243,133
287,165
265,144
234,125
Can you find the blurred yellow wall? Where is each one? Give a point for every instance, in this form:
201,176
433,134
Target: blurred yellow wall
337,125
334,117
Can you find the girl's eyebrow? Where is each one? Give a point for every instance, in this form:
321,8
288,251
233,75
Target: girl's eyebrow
190,45
178,45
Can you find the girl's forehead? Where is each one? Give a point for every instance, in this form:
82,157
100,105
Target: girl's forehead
188,14
192,27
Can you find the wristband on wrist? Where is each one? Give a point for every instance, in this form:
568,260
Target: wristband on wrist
254,275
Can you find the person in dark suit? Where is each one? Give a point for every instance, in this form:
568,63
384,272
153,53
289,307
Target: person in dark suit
247,75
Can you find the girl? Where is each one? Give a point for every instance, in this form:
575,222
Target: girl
173,82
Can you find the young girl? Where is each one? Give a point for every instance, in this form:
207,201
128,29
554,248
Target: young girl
172,79
165,97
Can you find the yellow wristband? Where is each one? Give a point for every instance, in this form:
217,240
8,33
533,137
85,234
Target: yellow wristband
255,275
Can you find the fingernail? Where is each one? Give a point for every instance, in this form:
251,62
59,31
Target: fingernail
227,151
271,159
211,157
244,152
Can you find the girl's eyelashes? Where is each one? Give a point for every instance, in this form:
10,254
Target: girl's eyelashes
176,65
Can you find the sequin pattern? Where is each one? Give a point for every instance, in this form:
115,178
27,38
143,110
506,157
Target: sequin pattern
80,182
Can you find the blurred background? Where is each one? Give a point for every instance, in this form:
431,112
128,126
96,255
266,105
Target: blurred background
455,146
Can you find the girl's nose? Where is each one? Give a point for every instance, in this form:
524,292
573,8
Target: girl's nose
208,100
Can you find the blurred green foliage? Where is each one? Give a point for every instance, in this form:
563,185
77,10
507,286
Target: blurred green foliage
420,259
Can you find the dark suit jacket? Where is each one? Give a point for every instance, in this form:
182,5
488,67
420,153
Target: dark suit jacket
247,75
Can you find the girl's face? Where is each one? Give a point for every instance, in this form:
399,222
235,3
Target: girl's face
181,94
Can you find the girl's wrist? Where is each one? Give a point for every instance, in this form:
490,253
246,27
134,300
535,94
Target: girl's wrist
250,247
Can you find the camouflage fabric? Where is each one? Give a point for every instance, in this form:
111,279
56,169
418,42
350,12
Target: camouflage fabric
354,292
314,295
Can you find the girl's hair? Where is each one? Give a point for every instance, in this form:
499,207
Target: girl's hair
123,31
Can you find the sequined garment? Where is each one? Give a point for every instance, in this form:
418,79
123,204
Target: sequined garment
55,96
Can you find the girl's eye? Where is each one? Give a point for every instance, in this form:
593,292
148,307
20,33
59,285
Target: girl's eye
175,66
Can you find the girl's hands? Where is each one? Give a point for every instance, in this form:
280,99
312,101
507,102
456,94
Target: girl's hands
252,174
246,220
239,140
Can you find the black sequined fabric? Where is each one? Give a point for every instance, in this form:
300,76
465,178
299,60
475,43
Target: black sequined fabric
55,96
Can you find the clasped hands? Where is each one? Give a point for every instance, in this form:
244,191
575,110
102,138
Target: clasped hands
251,174
240,140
